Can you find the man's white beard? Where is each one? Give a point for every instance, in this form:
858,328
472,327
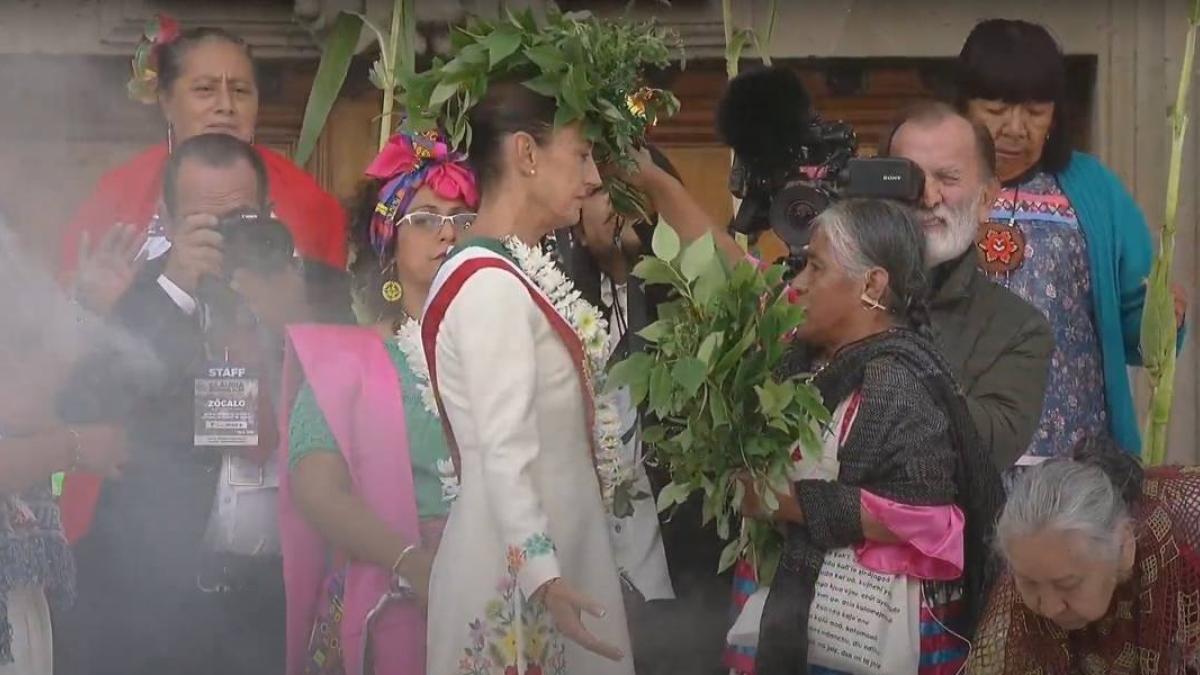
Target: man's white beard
958,235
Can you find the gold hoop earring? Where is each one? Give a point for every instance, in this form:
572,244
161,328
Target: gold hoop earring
392,291
871,303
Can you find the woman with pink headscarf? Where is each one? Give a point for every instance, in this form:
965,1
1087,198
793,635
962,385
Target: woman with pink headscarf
366,476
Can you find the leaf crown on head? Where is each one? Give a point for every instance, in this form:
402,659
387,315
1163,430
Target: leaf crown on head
593,68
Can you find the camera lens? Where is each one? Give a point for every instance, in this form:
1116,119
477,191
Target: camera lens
793,211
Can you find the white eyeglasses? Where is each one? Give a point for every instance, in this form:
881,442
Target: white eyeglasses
433,222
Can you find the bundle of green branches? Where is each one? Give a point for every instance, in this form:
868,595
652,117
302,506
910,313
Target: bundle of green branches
593,68
724,418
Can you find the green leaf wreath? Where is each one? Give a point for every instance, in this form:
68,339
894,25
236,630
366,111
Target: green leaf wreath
708,377
593,68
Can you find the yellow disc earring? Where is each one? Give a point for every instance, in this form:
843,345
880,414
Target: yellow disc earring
392,291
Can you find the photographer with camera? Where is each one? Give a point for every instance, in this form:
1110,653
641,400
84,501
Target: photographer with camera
181,570
997,344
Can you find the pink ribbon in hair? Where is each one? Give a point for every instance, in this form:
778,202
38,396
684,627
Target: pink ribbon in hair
445,171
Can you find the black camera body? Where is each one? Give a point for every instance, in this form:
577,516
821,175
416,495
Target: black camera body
251,240
254,240
790,165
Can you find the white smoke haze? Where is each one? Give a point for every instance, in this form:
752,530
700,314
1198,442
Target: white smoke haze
44,335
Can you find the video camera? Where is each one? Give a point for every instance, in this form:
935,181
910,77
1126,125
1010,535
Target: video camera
790,165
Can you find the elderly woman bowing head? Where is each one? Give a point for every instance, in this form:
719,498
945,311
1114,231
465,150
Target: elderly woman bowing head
1103,569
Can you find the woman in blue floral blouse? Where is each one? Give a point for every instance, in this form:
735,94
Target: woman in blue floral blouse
1064,234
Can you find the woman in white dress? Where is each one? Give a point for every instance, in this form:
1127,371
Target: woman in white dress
524,582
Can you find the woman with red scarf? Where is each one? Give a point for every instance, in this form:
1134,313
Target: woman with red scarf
203,79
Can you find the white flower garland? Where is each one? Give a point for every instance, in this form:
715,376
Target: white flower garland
592,329
408,339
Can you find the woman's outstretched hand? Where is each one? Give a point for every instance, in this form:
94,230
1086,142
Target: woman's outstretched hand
566,606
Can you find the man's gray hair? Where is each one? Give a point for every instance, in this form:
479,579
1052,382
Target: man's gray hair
1065,495
928,113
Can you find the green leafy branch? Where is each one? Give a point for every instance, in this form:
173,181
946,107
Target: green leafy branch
708,378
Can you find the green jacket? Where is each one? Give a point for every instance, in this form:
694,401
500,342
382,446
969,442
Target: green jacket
999,348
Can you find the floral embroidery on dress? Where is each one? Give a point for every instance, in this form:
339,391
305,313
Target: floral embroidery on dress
511,621
537,544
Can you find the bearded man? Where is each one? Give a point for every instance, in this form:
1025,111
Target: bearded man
997,344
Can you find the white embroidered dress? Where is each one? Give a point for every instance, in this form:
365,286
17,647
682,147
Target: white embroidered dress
529,507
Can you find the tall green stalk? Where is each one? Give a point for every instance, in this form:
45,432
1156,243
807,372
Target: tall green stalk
1159,332
731,55
397,59
397,63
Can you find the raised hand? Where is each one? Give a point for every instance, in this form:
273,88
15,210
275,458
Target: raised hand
195,252
107,269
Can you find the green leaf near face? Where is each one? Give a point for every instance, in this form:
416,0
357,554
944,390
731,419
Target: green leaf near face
610,111
673,493
655,331
766,399
632,370
565,115
709,345
660,390
442,93
652,435
665,242
718,409
689,374
547,84
547,58
698,256
576,88
523,20
729,555
501,43
712,282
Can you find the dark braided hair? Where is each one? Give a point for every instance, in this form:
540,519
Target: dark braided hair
868,233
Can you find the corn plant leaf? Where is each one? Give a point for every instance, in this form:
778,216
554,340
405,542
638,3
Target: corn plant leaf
327,84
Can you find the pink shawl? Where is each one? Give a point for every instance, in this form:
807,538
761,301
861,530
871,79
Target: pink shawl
357,389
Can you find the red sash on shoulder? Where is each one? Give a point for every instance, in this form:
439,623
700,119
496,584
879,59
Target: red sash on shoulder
446,286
